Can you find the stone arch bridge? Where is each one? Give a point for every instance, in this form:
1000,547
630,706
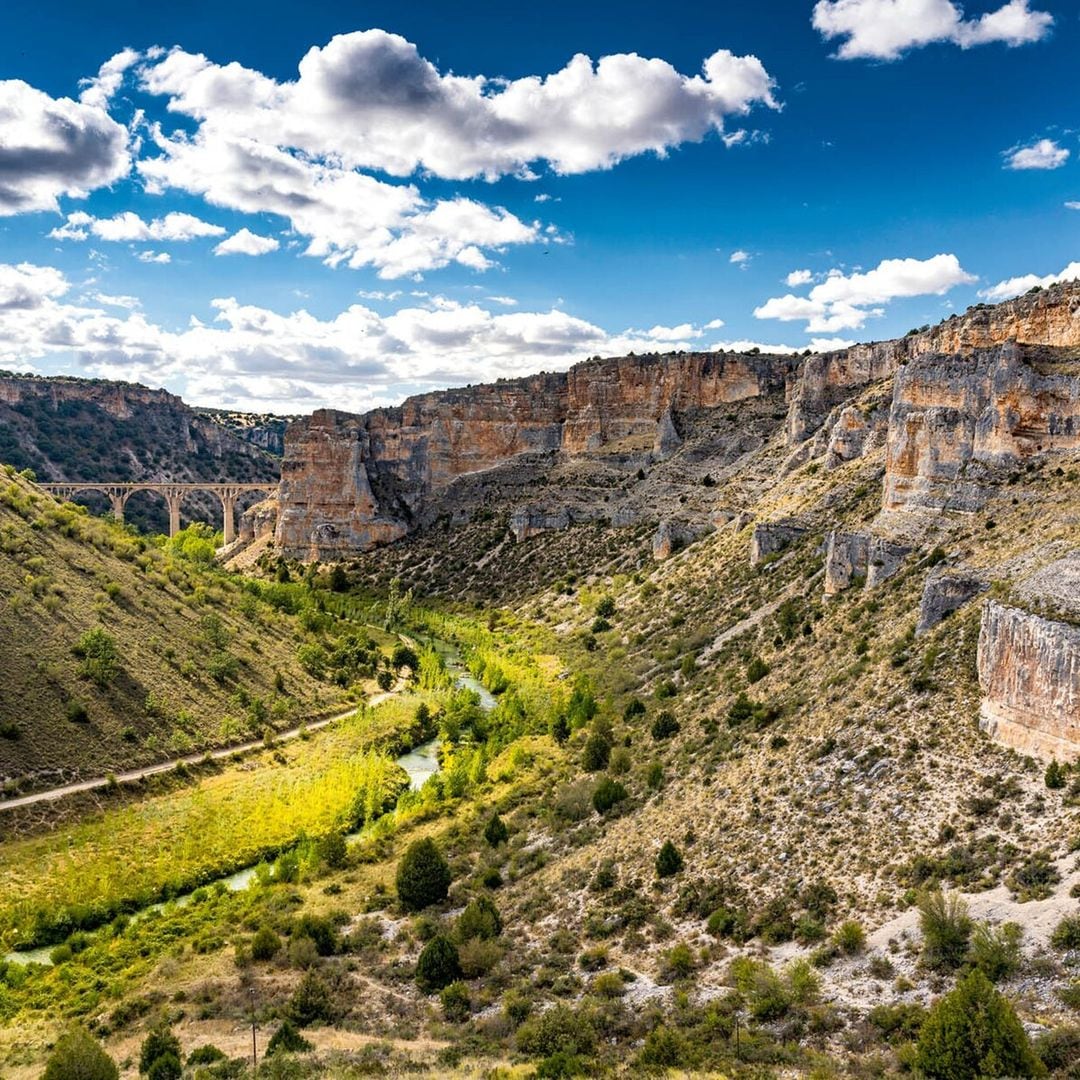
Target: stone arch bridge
118,495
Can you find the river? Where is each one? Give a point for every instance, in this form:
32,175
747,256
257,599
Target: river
421,763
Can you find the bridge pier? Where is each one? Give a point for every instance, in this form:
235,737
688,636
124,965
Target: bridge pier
118,499
172,500
228,496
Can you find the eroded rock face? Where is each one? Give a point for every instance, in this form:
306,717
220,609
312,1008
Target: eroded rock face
944,592
771,537
850,556
954,416
352,482
1029,673
258,521
1049,317
529,521
854,434
673,536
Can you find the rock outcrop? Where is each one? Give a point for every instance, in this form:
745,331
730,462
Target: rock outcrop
851,557
955,417
1047,317
529,521
352,482
1029,674
944,592
673,536
772,537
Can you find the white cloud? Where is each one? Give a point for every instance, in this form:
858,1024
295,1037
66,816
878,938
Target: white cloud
256,358
372,101
128,226
846,301
798,277
128,302
885,29
506,301
378,294
154,257
100,90
1043,154
714,324
1072,205
739,258
246,242
1005,290
54,146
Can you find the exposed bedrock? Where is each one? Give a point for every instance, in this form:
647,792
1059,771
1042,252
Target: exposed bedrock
1048,317
860,557
945,591
529,521
772,537
954,419
1029,673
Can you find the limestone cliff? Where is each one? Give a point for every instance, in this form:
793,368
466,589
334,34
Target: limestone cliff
352,482
1029,673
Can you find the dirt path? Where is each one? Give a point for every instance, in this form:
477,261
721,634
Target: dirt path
192,759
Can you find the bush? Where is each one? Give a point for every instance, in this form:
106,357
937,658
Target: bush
995,951
206,1054
76,712
972,1032
634,707
100,656
668,860
756,670
334,850
558,1030
480,919
597,752
1059,1048
664,1048
456,1003
423,876
496,832
1055,776
664,726
159,1043
265,944
79,1056
166,1067
438,965
850,937
946,929
1066,934
608,793
287,1040
311,1003
605,609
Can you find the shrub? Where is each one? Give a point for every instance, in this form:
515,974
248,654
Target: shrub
1033,878
423,876
159,1043
995,951
480,919
334,851
558,1030
668,860
946,929
634,707
1055,776
664,726
311,1003
206,1054
1066,934
973,1031
605,609
404,657
99,655
850,937
76,712
898,1023
265,944
456,1003
438,965
1059,1048
597,752
79,1056
496,832
664,1048
166,1067
756,670
478,956
287,1040
608,793
320,930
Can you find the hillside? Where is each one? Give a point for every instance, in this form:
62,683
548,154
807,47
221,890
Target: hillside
765,698
94,430
120,653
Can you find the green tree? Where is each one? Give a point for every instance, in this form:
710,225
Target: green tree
79,1056
423,876
287,1040
311,1003
495,832
334,850
973,1032
597,752
668,860
265,944
99,655
438,965
946,929
159,1043
1055,775
480,919
608,793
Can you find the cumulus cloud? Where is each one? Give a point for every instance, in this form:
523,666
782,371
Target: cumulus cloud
155,257
245,242
54,146
100,90
1072,205
368,101
1006,290
372,101
739,258
253,357
798,277
885,29
1043,154
128,226
846,301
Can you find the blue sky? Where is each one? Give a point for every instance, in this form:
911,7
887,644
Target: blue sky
407,211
